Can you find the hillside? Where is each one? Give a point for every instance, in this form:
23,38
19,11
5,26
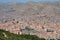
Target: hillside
35,18
5,35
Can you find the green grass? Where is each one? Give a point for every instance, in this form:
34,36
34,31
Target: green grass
12,36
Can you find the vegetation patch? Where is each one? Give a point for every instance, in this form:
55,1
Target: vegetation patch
5,35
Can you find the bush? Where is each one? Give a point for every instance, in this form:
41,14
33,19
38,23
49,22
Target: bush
12,36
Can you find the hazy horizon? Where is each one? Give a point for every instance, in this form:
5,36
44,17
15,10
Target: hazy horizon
28,0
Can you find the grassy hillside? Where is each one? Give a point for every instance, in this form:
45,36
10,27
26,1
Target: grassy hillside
4,35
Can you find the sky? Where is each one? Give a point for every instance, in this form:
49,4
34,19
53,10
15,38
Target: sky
25,0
